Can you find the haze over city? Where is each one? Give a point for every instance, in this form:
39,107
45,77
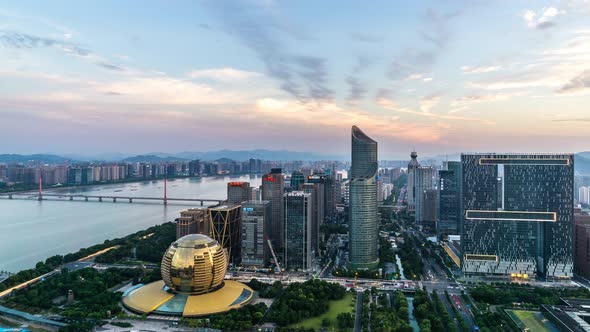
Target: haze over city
208,75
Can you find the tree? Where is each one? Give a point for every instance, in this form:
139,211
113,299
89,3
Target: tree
345,320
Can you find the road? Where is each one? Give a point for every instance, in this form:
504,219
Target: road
358,320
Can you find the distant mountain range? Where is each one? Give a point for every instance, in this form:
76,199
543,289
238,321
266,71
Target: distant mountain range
44,158
150,159
238,155
581,162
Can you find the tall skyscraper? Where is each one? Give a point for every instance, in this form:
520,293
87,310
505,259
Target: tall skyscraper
330,194
412,166
430,214
526,233
581,243
193,221
297,180
449,206
298,224
255,218
420,179
273,189
226,227
316,190
238,192
363,202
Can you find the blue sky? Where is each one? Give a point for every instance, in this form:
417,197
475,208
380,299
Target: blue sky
437,76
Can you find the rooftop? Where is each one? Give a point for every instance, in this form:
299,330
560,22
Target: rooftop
193,240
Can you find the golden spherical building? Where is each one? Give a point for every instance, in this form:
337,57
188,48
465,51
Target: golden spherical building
194,264
193,271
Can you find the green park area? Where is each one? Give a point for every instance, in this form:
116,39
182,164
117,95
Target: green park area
344,305
528,319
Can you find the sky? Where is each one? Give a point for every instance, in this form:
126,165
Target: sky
435,76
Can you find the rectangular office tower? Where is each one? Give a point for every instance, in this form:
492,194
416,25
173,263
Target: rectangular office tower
527,231
315,187
226,223
238,192
298,223
449,200
192,221
255,218
273,188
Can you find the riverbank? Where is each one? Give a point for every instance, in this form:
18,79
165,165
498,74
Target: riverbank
59,226
23,188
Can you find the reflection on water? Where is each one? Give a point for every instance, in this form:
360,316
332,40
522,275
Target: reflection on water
31,231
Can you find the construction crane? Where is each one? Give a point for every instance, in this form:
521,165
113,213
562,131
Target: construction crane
274,256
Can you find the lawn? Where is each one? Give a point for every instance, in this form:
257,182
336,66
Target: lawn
529,319
336,307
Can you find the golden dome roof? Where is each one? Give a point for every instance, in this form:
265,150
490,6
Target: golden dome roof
194,264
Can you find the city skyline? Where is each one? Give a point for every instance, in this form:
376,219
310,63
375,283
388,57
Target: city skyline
415,76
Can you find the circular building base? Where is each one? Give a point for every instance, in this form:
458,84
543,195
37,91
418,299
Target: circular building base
156,298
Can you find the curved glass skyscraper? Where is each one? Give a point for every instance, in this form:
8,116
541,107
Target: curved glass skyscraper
363,202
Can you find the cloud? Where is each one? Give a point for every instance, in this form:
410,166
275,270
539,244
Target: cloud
572,120
543,19
414,76
551,68
323,116
110,66
479,69
410,61
169,91
464,103
26,41
427,79
357,89
428,102
578,84
438,32
223,74
259,29
417,58
366,37
312,71
391,105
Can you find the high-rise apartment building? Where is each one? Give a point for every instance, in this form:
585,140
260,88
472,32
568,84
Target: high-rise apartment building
298,230
584,195
449,204
238,192
363,202
226,224
527,231
255,218
3,173
273,189
315,187
582,243
430,214
193,221
420,179
194,168
330,194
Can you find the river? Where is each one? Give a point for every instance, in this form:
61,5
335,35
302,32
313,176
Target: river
31,231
